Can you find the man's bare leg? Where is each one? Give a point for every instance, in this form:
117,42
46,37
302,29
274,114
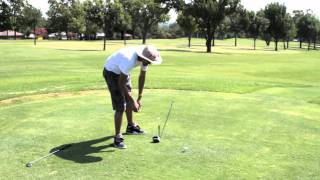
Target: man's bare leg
129,115
117,122
132,127
118,140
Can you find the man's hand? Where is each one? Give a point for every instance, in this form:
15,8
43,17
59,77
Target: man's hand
135,106
139,101
124,90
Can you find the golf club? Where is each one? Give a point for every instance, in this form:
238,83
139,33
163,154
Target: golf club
29,164
165,123
156,139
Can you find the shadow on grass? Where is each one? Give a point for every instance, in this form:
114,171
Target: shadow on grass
175,50
199,52
315,101
81,152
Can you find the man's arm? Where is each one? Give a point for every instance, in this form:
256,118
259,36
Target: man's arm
142,78
124,90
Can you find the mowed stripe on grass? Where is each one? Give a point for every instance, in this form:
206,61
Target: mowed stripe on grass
58,67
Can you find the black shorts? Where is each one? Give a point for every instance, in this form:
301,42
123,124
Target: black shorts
119,101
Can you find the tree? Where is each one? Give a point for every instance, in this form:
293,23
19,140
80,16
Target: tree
315,31
258,25
188,24
210,13
317,35
116,19
66,16
265,34
29,20
307,28
77,21
290,30
297,14
147,14
134,8
16,13
119,20
59,16
223,29
93,17
174,30
276,14
239,22
53,16
151,14
4,16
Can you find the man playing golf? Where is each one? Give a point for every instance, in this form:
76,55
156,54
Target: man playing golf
116,72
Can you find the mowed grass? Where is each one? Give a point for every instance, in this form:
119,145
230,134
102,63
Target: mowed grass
67,66
238,113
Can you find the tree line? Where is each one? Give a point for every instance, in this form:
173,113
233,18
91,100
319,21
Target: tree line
220,18
19,15
210,19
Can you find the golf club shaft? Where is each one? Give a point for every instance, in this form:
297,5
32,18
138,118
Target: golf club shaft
158,130
45,156
61,149
165,123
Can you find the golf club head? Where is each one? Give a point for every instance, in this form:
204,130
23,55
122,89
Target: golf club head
29,165
155,139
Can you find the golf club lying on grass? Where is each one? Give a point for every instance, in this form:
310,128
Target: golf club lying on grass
29,164
156,139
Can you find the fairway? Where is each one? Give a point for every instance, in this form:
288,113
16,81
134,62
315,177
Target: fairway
238,113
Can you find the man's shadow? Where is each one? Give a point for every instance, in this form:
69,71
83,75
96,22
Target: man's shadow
82,152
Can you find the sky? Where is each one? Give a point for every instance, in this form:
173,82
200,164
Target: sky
254,5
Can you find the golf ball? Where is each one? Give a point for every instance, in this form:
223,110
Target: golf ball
184,149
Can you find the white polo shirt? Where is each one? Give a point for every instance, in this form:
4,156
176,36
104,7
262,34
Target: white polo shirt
124,60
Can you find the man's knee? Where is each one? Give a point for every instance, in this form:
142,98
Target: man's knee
119,112
119,107
128,107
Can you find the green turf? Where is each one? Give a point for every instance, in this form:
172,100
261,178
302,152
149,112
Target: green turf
239,113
